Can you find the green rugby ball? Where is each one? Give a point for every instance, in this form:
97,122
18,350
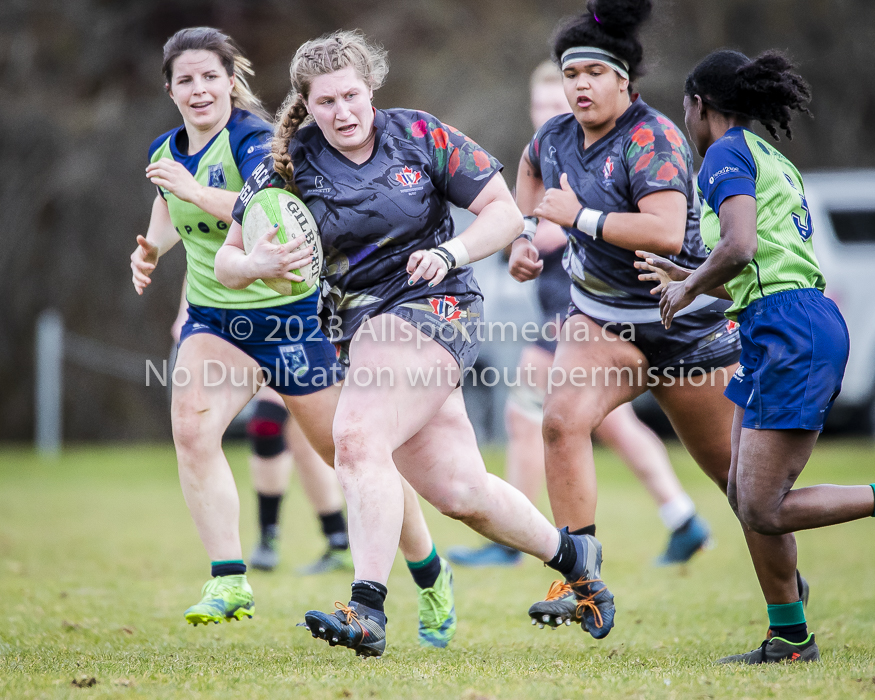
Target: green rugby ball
276,206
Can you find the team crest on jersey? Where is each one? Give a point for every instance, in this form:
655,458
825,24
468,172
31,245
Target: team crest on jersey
408,177
608,170
216,176
731,326
446,307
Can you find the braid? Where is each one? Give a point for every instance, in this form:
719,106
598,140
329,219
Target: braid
766,89
291,115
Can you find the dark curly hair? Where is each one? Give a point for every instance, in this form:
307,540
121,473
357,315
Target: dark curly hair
607,24
766,89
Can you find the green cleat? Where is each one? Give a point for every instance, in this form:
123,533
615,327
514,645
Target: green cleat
224,598
332,560
437,610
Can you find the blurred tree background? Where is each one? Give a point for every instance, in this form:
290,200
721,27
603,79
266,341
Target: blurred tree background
81,98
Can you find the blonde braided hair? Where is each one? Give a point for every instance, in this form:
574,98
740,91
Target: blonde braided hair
316,57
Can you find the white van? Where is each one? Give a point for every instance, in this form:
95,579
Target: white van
842,207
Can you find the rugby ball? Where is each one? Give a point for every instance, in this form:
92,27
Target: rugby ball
276,206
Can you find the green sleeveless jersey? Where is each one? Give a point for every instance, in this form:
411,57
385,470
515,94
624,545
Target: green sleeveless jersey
742,163
225,162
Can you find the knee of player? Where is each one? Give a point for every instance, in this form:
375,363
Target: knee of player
559,426
760,516
192,425
459,499
732,496
266,429
355,446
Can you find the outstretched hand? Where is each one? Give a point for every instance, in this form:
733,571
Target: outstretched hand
660,270
144,259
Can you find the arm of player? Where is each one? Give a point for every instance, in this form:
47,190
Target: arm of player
160,237
498,222
662,271
658,226
737,247
175,177
524,263
268,259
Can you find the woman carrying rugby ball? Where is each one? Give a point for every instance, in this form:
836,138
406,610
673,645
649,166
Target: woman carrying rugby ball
404,307
225,345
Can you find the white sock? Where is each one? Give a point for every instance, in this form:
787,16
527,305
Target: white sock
677,511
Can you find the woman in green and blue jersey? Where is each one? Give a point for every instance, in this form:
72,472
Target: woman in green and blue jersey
794,342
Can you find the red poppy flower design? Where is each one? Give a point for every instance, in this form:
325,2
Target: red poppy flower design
419,128
453,165
643,137
644,161
667,172
481,160
674,137
440,138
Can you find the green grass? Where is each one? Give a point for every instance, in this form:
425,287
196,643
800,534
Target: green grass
99,558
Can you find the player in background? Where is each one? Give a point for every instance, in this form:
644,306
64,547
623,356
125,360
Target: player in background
794,342
621,430
278,445
617,176
199,169
404,307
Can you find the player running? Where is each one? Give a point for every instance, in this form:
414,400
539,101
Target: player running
621,430
405,308
199,169
277,444
619,179
794,342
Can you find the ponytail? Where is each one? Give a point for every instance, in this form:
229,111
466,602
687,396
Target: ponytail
289,119
766,89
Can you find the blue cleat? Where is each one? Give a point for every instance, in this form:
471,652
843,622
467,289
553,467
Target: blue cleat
684,542
584,600
491,554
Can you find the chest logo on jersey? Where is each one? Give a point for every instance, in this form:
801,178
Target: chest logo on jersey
216,176
408,177
608,172
319,184
446,307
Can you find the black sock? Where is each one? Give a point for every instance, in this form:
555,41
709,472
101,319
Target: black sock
792,633
588,530
370,594
566,556
232,567
425,573
334,529
268,510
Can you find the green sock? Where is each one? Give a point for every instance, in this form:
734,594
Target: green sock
426,572
785,615
873,493
227,567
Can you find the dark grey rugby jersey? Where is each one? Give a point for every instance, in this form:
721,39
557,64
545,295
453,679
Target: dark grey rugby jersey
372,216
642,154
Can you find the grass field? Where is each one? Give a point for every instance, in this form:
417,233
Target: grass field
99,558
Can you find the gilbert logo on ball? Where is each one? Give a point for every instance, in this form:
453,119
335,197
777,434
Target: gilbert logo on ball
275,206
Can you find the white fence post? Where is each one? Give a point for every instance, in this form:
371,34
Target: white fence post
49,354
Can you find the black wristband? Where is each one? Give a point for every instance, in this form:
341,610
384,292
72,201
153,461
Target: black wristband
446,256
600,225
577,218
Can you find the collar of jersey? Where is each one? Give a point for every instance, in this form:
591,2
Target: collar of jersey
192,161
379,125
635,112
